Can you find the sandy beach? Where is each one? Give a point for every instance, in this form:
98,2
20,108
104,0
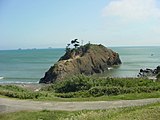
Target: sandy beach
31,86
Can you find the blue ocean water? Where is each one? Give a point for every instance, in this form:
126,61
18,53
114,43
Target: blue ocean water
28,66
134,59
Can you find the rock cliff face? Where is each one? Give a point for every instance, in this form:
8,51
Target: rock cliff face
88,59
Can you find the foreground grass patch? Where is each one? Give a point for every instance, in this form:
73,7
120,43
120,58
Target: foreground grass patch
148,112
82,88
132,96
33,115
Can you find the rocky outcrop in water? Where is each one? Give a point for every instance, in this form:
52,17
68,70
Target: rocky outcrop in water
149,72
88,59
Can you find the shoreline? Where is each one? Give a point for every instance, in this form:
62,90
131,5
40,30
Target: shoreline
35,86
28,86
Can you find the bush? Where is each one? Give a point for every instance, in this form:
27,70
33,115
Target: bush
13,88
82,94
21,95
48,88
78,83
82,86
18,92
100,91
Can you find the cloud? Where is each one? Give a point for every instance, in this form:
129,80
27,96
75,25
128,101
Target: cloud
132,9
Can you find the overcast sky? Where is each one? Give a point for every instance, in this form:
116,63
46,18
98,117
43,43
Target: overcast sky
53,23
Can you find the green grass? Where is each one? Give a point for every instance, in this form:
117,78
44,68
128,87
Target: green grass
82,88
147,112
33,115
132,96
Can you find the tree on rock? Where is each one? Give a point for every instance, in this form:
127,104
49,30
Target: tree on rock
75,43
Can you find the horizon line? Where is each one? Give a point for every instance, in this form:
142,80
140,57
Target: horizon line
64,47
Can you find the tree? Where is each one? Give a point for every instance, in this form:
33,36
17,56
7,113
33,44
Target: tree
68,45
67,48
76,45
74,42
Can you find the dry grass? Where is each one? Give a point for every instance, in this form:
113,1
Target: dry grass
148,112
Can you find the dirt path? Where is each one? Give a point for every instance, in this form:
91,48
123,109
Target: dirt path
12,105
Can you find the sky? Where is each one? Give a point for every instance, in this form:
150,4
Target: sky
54,23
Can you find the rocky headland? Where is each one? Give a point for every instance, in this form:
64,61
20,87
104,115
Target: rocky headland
88,60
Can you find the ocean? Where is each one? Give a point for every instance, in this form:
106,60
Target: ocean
28,66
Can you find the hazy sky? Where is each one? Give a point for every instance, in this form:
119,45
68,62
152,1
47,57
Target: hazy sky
53,23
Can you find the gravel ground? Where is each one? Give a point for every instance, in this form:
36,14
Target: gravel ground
13,105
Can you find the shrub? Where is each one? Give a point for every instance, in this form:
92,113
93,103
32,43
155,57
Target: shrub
21,95
82,94
100,91
13,88
82,86
78,83
18,92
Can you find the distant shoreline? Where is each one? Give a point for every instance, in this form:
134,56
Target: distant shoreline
64,48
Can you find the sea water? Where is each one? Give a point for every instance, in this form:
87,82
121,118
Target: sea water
28,66
134,59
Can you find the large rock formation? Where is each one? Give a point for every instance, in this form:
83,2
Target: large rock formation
88,59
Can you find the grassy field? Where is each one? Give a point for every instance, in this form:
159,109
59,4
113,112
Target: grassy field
148,112
132,96
82,88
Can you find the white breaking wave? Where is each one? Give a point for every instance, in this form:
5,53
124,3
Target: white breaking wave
110,68
1,78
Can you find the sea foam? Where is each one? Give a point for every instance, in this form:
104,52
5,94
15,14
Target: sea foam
110,68
1,77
